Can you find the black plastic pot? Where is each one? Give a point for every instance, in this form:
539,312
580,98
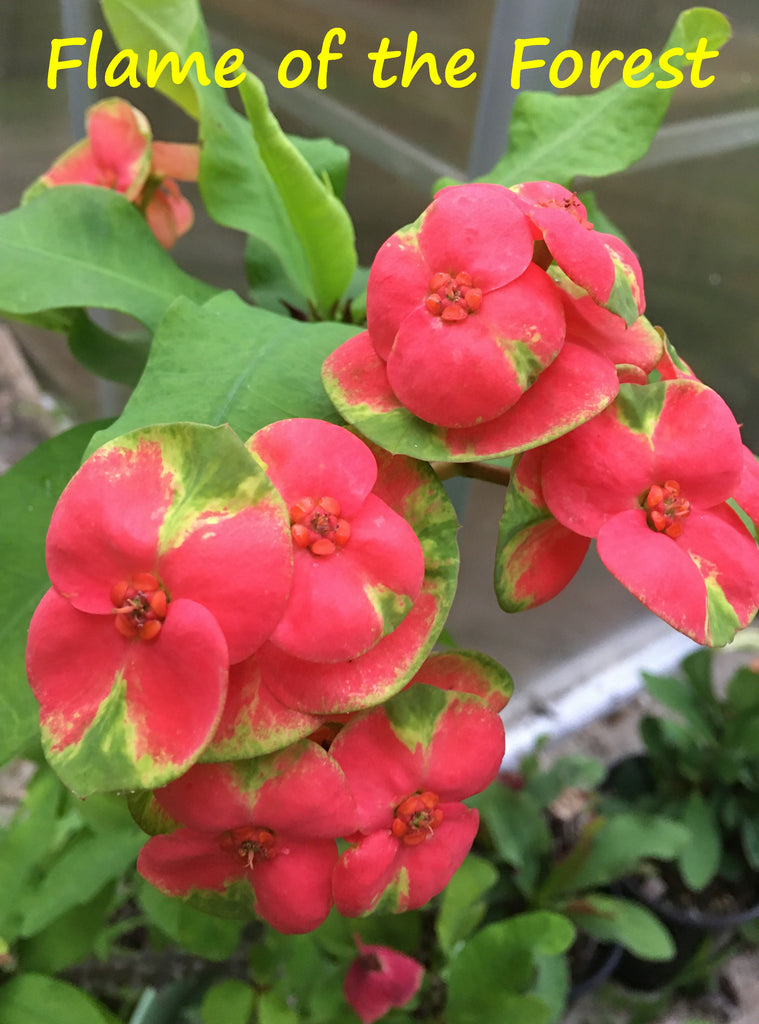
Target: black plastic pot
689,929
599,969
689,926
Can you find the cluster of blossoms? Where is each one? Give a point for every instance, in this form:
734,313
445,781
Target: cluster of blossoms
502,324
119,153
237,633
240,633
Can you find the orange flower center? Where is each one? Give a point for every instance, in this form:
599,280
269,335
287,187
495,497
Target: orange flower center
315,524
666,508
139,604
416,818
452,298
249,843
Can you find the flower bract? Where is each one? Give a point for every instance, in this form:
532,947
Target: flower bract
170,558
379,979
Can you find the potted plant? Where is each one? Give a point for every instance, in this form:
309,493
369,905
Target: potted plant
700,768
221,608
555,851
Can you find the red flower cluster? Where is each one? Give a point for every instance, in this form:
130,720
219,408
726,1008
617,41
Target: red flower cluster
650,478
259,834
187,570
174,558
119,153
473,346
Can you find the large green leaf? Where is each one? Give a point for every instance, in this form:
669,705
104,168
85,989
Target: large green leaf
462,906
700,859
622,842
76,245
36,998
214,938
611,919
556,137
28,493
25,844
78,873
320,220
494,971
228,362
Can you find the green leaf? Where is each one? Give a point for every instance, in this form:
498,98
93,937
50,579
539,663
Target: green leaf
162,25
36,998
69,938
228,1002
327,159
496,967
462,907
228,362
675,694
611,919
573,772
749,829
214,938
257,181
84,867
518,829
25,848
28,493
320,220
743,693
623,841
699,860
77,245
272,1009
552,984
556,137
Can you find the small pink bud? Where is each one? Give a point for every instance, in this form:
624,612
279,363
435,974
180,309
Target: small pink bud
379,979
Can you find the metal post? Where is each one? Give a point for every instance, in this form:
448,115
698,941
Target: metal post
525,19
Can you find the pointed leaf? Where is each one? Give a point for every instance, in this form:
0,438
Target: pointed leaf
230,363
76,245
28,493
557,137
611,919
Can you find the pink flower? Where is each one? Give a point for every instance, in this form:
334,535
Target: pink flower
409,764
379,979
118,153
255,836
358,565
170,557
458,312
600,264
473,349
277,696
650,478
